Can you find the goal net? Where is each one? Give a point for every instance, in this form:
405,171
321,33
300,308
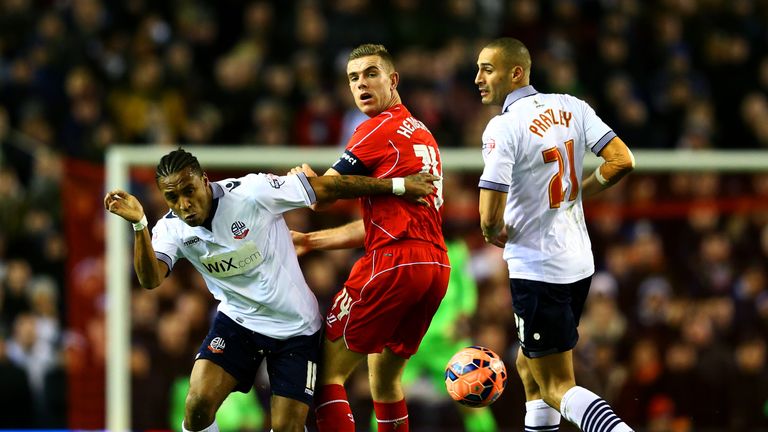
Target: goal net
122,159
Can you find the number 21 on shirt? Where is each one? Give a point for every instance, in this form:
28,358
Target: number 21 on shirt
556,191
428,157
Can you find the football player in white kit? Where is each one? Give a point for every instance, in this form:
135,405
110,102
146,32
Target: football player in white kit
233,232
530,205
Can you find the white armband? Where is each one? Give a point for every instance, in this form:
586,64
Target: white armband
600,179
141,224
631,157
398,186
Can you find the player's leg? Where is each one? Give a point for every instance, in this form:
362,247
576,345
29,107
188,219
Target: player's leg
579,405
554,373
224,364
385,370
209,385
292,370
288,415
332,408
539,416
547,316
416,292
532,391
418,366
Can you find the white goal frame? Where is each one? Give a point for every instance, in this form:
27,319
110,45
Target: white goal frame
121,158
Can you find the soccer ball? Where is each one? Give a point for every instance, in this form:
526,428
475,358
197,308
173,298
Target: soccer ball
475,376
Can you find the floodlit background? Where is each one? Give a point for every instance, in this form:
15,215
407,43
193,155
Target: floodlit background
674,336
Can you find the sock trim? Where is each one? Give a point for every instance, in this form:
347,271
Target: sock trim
536,404
551,428
331,402
597,415
566,397
586,421
615,422
392,420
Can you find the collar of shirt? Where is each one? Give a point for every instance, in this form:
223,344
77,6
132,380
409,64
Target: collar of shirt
517,95
217,192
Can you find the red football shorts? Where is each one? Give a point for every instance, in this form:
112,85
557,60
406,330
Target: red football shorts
389,299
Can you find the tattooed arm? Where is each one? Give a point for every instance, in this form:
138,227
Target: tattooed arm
330,188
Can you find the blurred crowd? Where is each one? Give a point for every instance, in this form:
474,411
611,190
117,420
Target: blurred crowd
675,332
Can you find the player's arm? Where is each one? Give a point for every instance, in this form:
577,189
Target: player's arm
346,236
618,162
149,270
322,206
492,216
332,187
310,173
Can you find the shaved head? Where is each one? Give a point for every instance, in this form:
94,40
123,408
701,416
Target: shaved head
513,53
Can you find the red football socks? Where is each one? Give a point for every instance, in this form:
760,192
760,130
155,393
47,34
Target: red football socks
391,416
333,412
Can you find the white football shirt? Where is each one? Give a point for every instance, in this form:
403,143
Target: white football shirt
248,261
534,152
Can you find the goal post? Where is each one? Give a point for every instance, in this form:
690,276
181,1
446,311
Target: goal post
121,158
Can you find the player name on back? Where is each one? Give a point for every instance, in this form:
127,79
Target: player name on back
545,120
409,126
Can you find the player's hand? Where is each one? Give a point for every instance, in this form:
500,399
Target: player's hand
124,205
300,242
418,186
303,168
499,240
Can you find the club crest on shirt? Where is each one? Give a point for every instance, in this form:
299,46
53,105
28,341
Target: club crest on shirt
274,181
239,230
217,345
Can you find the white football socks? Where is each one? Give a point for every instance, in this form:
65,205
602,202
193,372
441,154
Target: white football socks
589,412
540,417
213,427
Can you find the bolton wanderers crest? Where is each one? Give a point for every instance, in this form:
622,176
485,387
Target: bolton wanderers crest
239,230
217,345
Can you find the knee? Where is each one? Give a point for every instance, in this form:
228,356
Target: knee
553,393
385,390
522,366
200,411
287,423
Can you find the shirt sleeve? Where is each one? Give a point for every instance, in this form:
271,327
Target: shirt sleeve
278,194
364,150
164,242
349,164
596,133
497,157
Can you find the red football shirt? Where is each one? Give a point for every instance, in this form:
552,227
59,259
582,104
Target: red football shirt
395,144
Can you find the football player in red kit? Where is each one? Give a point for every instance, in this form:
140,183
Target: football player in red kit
393,291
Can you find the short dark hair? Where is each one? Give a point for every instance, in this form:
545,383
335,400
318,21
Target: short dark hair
514,52
366,50
176,161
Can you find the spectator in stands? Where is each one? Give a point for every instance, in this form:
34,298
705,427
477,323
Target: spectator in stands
643,63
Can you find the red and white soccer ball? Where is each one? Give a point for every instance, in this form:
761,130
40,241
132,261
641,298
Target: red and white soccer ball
475,376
